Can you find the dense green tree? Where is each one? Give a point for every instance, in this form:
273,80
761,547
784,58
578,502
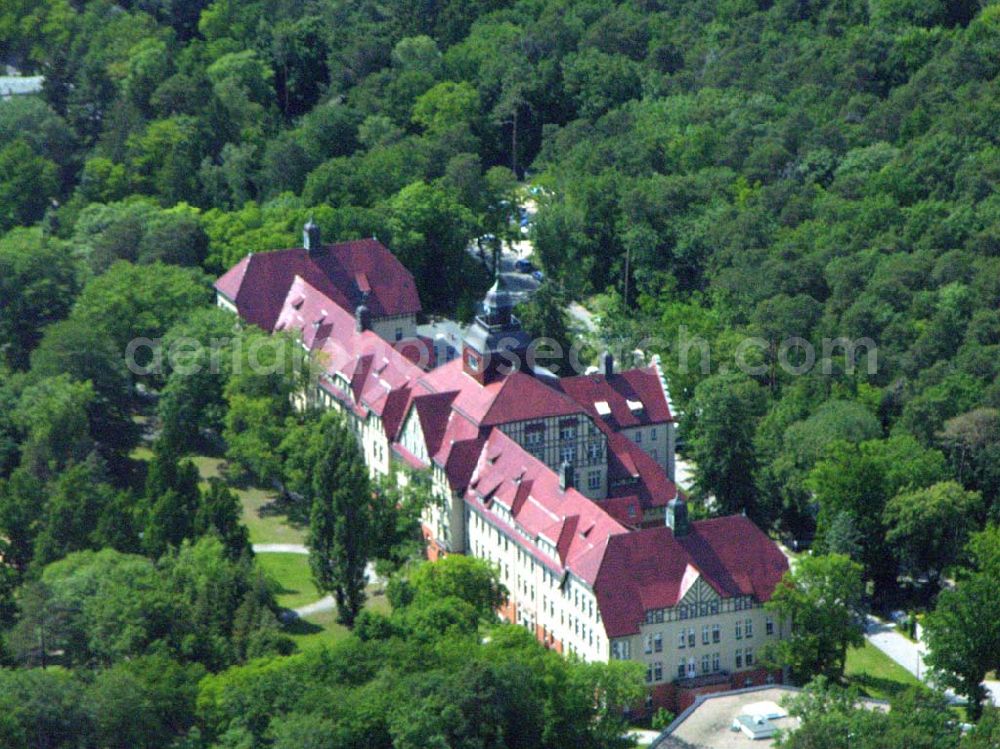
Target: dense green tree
340,521
962,632
22,506
471,580
820,599
77,502
860,480
129,302
928,528
831,718
38,283
430,230
52,414
219,514
198,353
77,349
726,409
28,184
43,709
172,501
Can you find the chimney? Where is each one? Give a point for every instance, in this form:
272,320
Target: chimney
362,318
565,476
607,364
677,517
311,237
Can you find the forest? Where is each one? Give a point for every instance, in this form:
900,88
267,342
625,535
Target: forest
718,169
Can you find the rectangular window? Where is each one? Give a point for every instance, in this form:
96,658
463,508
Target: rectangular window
681,640
716,633
658,671
769,626
704,635
594,451
649,643
594,480
739,658
716,662
704,664
649,673
568,454
567,433
749,657
399,334
748,628
680,671
620,650
739,630
691,637
652,434
738,604
658,643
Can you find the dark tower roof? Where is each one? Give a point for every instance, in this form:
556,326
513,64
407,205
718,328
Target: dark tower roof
496,336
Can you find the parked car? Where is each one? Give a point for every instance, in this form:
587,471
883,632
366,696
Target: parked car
538,276
524,266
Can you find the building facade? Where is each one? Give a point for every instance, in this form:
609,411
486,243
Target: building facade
564,484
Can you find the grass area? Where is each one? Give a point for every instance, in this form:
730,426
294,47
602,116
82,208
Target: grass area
293,580
323,629
142,452
267,522
209,468
875,673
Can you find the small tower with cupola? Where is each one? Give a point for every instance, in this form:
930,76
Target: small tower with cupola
495,344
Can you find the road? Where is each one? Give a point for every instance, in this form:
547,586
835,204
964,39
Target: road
910,654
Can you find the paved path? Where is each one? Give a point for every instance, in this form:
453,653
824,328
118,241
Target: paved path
326,603
905,652
910,654
280,549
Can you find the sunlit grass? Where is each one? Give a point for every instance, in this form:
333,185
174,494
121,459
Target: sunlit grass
875,673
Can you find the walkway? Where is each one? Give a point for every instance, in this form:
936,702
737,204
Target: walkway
910,654
326,603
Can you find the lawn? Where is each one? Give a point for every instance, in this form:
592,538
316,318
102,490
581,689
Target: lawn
323,629
265,519
875,673
293,580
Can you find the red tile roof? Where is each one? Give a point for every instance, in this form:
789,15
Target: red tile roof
259,283
637,385
636,473
646,569
516,397
505,473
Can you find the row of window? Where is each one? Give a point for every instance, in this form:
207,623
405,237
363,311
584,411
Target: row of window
710,664
696,610
687,637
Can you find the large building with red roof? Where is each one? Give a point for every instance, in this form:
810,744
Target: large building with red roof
565,484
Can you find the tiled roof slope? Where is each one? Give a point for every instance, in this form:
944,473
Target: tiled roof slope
636,385
257,285
645,569
578,528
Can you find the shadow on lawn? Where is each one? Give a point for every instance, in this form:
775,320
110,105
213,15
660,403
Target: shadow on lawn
878,687
297,626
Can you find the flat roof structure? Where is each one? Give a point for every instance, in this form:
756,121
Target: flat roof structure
742,719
